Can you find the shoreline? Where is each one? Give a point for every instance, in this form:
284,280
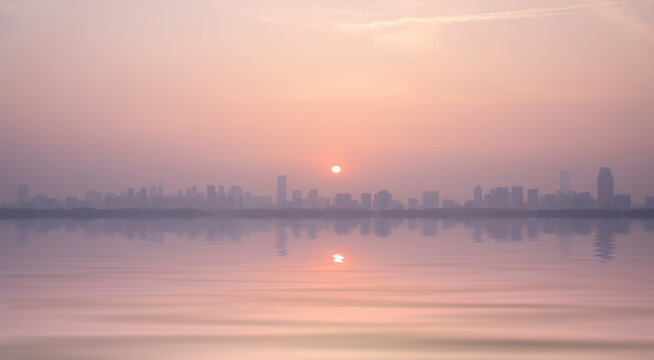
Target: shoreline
456,213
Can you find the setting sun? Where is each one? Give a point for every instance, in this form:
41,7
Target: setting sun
339,258
336,169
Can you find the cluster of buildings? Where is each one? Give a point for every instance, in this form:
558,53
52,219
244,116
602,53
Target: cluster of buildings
217,198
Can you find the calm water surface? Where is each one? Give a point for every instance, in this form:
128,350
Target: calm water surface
270,289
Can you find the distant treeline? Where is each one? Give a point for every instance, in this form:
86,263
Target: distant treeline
320,213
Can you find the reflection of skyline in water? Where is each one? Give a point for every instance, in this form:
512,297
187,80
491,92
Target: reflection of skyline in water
221,230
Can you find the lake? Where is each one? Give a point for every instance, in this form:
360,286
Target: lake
211,288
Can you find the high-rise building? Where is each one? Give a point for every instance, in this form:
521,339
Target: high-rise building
413,203
221,198
621,201
235,197
478,199
366,201
296,199
532,198
343,201
605,189
517,197
430,200
160,191
143,198
153,192
23,193
211,196
564,181
94,199
71,202
312,199
281,191
383,200
649,202
499,198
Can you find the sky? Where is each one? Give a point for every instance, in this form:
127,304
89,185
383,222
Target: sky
404,95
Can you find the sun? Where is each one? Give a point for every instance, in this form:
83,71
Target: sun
338,258
336,169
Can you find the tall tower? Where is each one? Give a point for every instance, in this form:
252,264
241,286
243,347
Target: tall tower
565,181
478,197
605,189
281,191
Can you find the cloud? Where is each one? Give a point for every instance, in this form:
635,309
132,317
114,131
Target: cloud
466,18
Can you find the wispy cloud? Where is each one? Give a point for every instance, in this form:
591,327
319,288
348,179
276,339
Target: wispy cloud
466,18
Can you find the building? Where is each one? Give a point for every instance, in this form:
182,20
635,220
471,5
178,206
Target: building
450,204
211,196
94,199
649,202
281,191
343,201
383,200
296,199
499,198
71,202
621,201
564,181
430,200
312,199
585,201
143,198
478,197
532,198
413,203
235,197
517,197
366,201
605,189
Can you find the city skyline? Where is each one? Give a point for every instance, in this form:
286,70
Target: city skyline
501,197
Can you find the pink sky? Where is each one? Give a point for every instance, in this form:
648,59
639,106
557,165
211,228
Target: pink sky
405,95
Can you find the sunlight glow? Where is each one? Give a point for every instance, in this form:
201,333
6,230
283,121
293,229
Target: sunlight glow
339,258
336,169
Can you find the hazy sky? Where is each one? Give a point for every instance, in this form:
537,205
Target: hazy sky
404,95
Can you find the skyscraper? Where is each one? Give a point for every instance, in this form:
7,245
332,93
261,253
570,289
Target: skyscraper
281,191
430,200
296,199
479,202
366,201
312,199
605,189
517,197
564,181
532,198
211,196
383,200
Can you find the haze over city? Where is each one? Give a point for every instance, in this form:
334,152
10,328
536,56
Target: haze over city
406,96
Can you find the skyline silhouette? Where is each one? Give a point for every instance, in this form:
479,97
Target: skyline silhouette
236,198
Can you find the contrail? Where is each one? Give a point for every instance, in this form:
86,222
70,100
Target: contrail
465,18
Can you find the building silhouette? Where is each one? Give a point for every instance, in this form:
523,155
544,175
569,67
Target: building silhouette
281,191
430,200
564,181
383,200
478,197
296,199
532,198
605,188
517,197
366,201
